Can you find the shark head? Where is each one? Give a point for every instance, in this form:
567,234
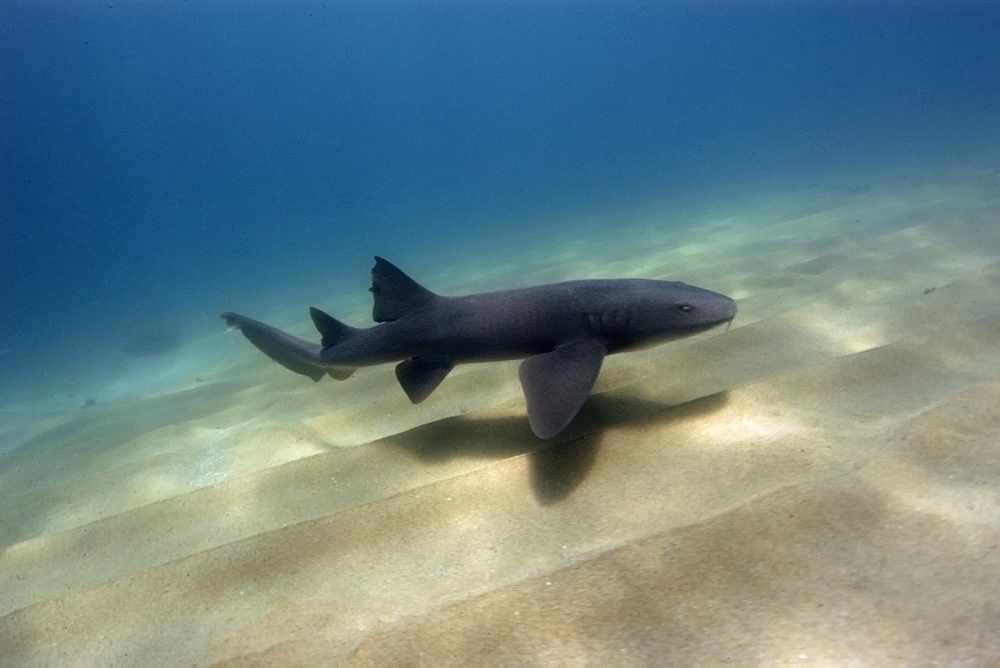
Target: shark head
659,311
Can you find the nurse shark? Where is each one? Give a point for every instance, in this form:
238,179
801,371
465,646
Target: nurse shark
562,331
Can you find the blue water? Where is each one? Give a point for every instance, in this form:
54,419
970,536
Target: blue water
161,162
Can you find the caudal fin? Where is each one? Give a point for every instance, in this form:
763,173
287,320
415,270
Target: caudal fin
289,351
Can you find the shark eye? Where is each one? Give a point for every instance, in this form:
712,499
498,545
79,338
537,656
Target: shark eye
687,308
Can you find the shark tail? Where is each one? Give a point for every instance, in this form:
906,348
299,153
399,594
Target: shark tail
291,352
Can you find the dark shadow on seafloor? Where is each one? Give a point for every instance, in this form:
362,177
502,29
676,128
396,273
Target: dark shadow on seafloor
558,465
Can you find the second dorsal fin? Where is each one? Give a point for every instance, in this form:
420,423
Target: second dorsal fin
332,330
396,294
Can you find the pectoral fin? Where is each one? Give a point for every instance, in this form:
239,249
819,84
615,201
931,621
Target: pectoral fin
558,382
419,377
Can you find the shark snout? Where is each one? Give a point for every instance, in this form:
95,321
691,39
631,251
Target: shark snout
729,310
715,311
716,308
731,314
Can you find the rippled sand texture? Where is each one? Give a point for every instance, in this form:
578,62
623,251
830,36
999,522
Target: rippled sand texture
819,483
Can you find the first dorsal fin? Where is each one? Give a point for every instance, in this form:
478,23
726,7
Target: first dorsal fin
396,294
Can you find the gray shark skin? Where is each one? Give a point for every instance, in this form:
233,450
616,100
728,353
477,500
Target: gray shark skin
563,331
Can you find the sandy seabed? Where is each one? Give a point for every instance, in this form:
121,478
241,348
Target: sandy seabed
818,483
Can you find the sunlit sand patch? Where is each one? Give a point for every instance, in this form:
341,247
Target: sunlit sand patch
847,330
744,431
944,463
957,503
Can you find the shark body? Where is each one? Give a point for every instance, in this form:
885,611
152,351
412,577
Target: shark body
563,331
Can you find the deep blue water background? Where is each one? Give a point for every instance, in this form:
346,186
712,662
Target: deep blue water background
160,162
